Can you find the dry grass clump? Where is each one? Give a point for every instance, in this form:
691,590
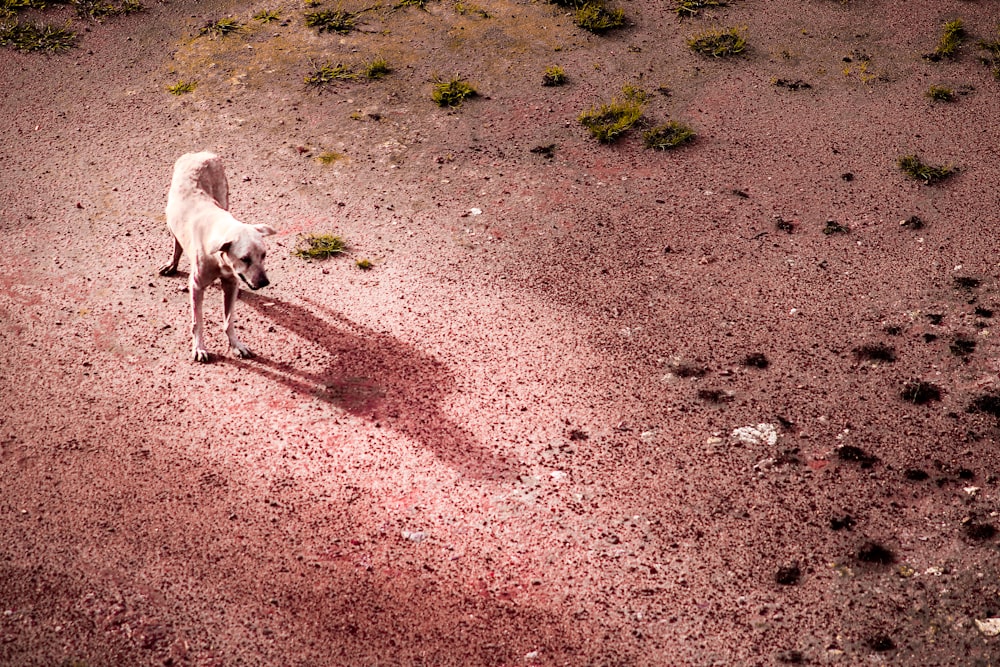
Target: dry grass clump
554,76
952,37
182,87
452,93
719,43
670,135
28,37
608,122
332,20
694,7
319,246
914,167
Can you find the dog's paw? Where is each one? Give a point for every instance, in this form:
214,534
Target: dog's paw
242,351
200,355
168,270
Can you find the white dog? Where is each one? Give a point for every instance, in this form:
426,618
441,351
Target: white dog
217,244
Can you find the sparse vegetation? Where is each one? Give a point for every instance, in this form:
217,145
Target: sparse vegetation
329,157
467,8
554,76
694,7
222,27
940,94
267,16
419,4
329,73
332,20
952,37
452,93
597,18
992,57
609,121
182,87
319,246
364,264
378,69
797,84
834,227
98,9
718,43
670,135
28,37
912,166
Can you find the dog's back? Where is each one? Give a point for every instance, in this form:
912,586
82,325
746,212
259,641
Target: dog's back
196,174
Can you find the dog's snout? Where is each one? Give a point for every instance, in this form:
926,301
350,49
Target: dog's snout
263,283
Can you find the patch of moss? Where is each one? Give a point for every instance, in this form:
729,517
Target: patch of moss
182,87
452,93
952,36
940,94
467,8
29,37
329,73
364,264
670,135
912,166
597,18
332,20
221,28
319,246
329,157
608,122
719,43
554,76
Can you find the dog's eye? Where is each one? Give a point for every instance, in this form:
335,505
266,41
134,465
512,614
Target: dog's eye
245,260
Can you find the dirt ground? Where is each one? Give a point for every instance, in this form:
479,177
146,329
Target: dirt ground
609,406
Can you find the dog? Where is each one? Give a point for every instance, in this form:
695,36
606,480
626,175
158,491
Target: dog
217,244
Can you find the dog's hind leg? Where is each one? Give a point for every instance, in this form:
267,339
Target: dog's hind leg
231,290
198,351
171,268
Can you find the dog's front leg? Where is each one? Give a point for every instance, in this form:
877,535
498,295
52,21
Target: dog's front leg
230,290
198,351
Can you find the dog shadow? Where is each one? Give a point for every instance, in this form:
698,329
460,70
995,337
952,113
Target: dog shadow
377,377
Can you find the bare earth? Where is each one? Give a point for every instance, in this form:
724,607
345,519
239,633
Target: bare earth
511,442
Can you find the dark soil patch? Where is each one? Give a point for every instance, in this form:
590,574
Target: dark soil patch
856,455
788,576
873,552
916,474
756,360
988,403
846,522
920,392
875,352
962,347
980,531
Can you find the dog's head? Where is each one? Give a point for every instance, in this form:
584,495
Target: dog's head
244,254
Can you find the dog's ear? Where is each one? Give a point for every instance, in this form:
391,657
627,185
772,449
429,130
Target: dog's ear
265,230
224,247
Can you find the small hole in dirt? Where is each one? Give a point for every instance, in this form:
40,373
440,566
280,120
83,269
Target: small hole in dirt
714,396
919,392
847,176
846,522
788,576
881,643
913,222
784,226
980,531
916,475
984,312
893,330
856,454
576,435
756,360
930,338
965,473
689,370
962,346
875,352
987,403
935,318
873,552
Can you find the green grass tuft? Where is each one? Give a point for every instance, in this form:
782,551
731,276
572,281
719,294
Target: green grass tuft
332,20
328,74
182,87
554,76
222,27
319,246
452,93
378,68
671,135
694,7
29,37
595,17
608,122
364,264
419,4
952,37
718,43
913,167
267,16
940,94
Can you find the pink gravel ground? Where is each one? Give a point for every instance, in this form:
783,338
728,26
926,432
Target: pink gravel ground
510,442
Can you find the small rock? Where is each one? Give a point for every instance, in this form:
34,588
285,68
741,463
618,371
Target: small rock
417,536
989,627
757,435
